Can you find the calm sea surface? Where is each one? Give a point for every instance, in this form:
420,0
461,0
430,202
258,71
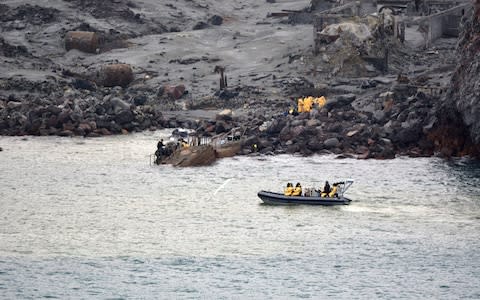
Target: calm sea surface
91,219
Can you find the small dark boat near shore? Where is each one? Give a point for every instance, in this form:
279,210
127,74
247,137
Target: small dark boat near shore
281,199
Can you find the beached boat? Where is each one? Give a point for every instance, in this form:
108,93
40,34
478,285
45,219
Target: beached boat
198,151
193,156
311,198
228,144
228,150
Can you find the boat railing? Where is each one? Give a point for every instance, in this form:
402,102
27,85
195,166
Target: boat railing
233,135
152,158
345,186
217,141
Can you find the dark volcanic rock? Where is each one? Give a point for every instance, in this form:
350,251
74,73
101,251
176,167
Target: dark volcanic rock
200,25
331,143
84,84
108,8
226,94
340,101
9,50
124,117
32,14
276,126
140,100
465,91
457,131
216,20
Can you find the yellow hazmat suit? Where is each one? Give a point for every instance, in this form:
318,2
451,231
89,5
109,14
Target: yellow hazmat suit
300,105
288,191
321,101
297,191
333,192
307,104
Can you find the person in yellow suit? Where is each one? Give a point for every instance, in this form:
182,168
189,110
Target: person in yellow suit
321,101
307,104
333,192
288,190
184,143
300,105
298,190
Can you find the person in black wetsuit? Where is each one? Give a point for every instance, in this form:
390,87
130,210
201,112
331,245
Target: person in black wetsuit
160,151
326,190
160,144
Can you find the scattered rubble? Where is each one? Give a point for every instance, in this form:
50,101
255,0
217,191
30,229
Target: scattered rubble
123,69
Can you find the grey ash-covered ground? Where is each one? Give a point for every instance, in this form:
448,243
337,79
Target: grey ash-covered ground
269,63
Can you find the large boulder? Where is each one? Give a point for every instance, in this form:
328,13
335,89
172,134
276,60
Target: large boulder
82,40
113,75
174,91
340,101
124,117
276,126
331,143
119,105
216,20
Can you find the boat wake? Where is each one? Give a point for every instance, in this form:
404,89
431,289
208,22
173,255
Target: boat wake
221,186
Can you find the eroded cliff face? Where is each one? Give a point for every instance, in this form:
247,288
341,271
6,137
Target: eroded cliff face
458,130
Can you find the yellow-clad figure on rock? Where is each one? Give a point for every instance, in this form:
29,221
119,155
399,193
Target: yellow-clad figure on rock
300,105
321,101
308,104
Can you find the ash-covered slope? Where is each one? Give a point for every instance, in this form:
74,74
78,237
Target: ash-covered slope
47,88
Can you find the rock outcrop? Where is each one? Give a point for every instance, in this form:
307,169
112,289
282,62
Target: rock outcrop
458,130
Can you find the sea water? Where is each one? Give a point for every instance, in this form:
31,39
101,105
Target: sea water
93,219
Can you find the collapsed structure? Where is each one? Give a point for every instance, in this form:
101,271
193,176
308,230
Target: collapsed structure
371,28
382,86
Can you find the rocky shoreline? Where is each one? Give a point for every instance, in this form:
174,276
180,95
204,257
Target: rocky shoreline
341,127
382,115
